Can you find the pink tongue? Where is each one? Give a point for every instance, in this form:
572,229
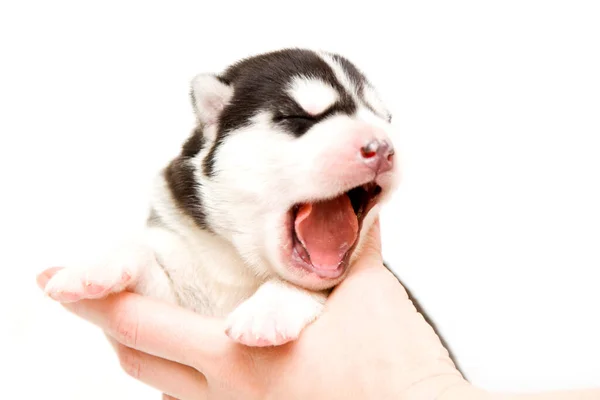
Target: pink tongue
327,230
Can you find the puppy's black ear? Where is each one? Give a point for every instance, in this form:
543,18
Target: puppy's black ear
209,96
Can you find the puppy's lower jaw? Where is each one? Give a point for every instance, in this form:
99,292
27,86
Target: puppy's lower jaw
274,315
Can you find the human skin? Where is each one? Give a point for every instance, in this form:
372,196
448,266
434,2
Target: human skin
370,343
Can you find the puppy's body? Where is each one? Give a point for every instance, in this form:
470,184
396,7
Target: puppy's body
267,205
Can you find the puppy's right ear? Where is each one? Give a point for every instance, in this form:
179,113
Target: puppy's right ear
210,95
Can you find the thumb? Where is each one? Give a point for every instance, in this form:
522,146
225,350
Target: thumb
370,252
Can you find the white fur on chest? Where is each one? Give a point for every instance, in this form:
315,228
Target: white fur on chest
204,272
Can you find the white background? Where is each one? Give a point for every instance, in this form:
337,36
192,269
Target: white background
496,228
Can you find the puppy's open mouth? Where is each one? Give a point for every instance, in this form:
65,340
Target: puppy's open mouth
325,233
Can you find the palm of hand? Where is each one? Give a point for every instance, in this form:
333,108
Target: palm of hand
370,342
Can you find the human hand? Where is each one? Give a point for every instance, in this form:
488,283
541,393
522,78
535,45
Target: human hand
370,343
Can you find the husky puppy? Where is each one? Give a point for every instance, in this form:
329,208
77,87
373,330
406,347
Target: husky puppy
267,205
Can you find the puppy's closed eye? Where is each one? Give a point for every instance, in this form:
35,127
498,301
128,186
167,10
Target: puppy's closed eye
298,124
296,117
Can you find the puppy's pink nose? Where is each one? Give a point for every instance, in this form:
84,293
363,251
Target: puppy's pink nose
378,154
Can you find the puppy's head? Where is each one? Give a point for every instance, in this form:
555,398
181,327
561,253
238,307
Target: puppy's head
291,159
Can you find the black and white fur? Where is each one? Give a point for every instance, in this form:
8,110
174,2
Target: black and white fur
273,130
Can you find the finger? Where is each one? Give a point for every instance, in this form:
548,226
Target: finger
169,377
152,326
373,240
368,271
157,328
370,252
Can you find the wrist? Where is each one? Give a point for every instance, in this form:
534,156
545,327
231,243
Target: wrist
590,394
446,387
466,391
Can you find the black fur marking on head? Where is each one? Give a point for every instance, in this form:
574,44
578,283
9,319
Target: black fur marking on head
359,80
179,175
260,83
194,144
357,77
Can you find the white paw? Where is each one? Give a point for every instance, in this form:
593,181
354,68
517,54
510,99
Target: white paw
274,315
74,284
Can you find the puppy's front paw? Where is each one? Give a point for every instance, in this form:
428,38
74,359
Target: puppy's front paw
274,315
74,284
